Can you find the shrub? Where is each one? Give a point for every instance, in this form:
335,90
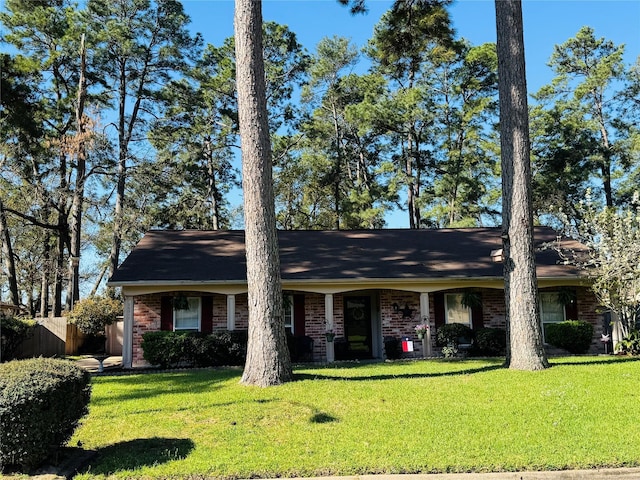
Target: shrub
172,349
629,345
41,402
163,348
14,330
491,342
450,351
392,348
451,334
573,335
93,314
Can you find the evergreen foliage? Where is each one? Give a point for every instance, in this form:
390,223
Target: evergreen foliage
13,331
41,403
575,336
156,142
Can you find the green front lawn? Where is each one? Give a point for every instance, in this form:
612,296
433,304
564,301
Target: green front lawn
402,417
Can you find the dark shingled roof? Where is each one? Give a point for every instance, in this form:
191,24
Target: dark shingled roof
218,256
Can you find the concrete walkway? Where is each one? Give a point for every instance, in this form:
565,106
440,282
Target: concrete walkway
93,365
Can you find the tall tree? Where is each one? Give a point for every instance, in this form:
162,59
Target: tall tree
47,33
268,361
525,350
19,127
337,168
630,110
140,46
79,149
461,177
583,93
194,138
197,133
562,161
402,41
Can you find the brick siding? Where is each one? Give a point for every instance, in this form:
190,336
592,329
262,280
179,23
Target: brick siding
394,324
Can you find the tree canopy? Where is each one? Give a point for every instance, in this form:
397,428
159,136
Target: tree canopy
145,134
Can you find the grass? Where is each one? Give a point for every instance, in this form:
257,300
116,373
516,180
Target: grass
403,417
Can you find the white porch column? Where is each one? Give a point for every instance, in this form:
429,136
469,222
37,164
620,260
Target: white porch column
328,316
231,312
424,316
127,333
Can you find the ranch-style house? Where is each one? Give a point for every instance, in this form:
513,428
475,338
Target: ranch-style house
363,286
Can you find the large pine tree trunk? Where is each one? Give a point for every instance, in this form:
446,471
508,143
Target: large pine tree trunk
525,349
8,257
268,361
73,292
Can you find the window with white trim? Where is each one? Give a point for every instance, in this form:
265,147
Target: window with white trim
189,318
455,312
551,310
287,312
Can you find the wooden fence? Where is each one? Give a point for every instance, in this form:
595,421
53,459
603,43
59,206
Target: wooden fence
54,337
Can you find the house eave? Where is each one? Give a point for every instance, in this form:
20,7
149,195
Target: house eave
336,285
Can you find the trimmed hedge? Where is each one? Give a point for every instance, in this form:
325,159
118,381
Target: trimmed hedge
41,403
573,335
451,334
491,342
191,349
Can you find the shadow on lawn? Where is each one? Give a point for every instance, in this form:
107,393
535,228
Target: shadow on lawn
147,385
368,377
138,453
605,360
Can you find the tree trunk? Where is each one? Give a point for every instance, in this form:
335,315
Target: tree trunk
8,258
118,213
213,194
525,349
268,361
73,292
58,284
46,270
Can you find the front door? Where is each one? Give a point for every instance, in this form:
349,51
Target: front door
357,327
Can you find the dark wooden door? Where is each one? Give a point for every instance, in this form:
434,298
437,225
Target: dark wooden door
357,327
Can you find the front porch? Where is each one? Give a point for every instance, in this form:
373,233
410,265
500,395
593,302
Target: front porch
343,325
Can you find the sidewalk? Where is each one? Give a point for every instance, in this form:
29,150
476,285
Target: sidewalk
600,474
596,474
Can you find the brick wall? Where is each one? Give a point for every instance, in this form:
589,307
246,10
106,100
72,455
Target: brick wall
588,310
394,324
147,316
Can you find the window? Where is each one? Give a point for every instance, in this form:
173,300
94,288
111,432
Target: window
188,319
288,313
455,312
551,310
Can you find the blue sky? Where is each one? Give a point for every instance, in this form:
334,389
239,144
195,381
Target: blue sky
546,23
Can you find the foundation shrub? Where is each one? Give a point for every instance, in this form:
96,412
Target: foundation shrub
192,349
392,348
41,403
630,344
453,334
573,335
490,342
